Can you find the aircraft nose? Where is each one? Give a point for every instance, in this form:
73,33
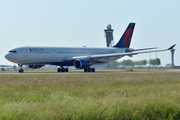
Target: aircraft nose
8,56
11,57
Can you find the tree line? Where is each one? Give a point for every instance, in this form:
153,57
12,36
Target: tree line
128,62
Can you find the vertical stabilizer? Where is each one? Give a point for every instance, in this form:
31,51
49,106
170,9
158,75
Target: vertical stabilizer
125,40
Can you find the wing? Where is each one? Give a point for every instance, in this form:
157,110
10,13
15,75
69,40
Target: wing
99,56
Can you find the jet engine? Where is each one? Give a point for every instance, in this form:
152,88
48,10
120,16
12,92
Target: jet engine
35,66
81,63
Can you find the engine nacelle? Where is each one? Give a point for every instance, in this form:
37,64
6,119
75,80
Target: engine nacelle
35,66
81,64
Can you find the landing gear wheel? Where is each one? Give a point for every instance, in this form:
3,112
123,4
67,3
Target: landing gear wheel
62,70
21,70
59,70
66,70
85,69
93,69
89,69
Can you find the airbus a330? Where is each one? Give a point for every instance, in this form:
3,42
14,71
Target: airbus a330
80,58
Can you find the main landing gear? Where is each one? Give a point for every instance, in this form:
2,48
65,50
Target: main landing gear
62,69
20,70
89,69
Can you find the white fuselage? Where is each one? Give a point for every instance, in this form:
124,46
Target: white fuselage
57,55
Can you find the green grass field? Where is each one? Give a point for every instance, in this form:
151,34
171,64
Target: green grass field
90,96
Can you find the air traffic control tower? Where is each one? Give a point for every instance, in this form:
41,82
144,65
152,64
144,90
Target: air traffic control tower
109,36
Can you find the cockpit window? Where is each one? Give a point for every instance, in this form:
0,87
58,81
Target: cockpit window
13,51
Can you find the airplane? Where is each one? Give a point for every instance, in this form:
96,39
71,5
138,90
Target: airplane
5,67
79,57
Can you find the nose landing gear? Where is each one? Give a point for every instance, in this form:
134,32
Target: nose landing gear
20,70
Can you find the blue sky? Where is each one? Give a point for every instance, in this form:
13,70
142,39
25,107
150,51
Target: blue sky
82,23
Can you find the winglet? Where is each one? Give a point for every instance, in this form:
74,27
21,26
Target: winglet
171,47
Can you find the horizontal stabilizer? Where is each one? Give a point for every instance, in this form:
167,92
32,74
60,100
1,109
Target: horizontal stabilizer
132,50
145,49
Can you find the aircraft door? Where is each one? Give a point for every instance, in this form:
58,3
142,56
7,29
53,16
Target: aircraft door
25,53
53,53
